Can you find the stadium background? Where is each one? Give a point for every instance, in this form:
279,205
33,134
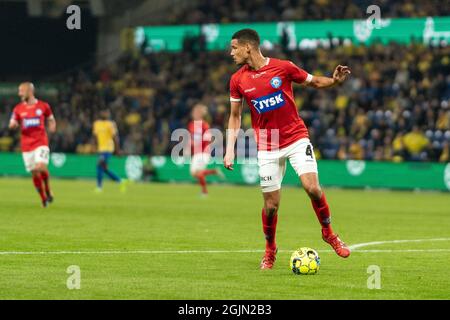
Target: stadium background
387,127
395,107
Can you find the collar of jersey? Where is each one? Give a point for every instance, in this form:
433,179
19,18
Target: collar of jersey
267,63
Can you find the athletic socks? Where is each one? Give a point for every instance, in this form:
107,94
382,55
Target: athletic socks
201,177
99,176
100,171
208,172
112,175
37,181
46,179
323,214
269,228
202,181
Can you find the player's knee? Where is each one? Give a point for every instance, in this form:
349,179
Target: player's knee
314,191
40,167
271,207
101,164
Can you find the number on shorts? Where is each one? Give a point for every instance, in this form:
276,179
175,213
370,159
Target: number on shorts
44,154
309,151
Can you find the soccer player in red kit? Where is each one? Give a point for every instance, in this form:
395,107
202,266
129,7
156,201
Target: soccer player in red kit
265,84
199,141
31,115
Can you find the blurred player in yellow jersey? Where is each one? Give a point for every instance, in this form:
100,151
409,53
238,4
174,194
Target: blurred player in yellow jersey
106,141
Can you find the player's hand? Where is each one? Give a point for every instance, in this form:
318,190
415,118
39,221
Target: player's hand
228,161
13,124
341,73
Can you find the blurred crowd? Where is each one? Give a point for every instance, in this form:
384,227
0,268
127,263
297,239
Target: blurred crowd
394,107
225,11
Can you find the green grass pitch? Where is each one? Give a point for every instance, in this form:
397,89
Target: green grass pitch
162,241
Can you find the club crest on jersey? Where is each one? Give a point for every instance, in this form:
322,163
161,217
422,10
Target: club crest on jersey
270,102
39,112
276,82
31,122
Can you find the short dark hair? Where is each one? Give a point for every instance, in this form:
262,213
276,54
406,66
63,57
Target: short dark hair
247,35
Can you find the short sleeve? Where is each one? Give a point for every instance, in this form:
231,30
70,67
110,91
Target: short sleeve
297,74
235,93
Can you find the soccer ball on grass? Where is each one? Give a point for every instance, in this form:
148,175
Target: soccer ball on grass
305,261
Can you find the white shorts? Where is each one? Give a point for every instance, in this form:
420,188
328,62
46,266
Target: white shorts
38,155
272,164
199,161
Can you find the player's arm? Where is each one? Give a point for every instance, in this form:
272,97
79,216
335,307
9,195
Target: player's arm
14,121
234,124
116,138
13,124
340,74
51,124
94,136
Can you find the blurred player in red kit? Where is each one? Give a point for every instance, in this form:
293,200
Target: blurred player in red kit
32,115
199,141
265,84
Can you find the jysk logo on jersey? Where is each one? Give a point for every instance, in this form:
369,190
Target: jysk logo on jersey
270,102
276,82
31,122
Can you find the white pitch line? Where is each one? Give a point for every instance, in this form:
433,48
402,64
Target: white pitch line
354,247
403,250
374,243
126,252
30,253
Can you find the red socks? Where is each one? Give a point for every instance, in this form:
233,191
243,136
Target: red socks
323,214
201,177
45,178
269,228
208,172
202,181
37,181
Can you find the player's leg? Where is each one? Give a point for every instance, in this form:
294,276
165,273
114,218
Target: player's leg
302,159
310,183
269,217
213,172
202,182
30,164
199,162
271,173
108,172
38,184
42,160
45,176
209,172
100,169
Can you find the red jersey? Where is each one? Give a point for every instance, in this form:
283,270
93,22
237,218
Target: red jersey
200,138
268,93
31,119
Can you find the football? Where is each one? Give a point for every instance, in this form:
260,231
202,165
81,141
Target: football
305,261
